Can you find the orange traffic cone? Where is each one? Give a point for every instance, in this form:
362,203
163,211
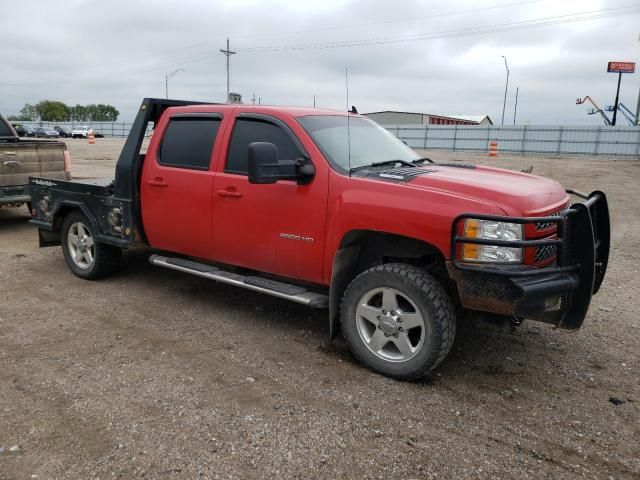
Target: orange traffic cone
92,138
493,149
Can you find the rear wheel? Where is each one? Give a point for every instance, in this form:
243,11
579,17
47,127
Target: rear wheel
398,320
84,256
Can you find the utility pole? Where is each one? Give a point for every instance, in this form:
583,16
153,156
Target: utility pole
638,110
314,101
166,80
515,109
615,105
228,53
506,87
253,99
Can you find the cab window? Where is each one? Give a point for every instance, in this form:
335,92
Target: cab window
188,142
249,130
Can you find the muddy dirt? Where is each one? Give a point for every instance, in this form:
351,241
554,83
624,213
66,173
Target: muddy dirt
156,374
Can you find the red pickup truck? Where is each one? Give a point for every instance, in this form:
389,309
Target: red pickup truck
328,209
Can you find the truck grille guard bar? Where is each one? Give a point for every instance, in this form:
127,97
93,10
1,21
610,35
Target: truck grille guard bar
583,240
559,293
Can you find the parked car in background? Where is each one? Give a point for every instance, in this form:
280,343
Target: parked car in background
19,129
81,132
46,132
29,131
63,131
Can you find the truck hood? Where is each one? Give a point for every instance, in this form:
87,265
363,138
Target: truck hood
516,193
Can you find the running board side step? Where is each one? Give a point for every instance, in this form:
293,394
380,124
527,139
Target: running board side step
274,288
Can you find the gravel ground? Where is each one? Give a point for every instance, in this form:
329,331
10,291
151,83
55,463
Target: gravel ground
156,374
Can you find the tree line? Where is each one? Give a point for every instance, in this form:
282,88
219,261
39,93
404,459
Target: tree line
54,111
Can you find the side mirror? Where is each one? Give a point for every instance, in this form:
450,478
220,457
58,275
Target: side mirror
264,166
263,163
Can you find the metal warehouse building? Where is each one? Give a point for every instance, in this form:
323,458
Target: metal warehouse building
389,117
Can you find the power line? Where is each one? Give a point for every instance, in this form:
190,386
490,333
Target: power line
525,24
371,24
399,20
520,25
469,31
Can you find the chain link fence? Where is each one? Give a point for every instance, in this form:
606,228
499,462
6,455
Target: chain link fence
524,139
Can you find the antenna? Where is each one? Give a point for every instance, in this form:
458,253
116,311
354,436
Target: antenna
346,78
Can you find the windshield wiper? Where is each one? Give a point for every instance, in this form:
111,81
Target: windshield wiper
383,163
422,160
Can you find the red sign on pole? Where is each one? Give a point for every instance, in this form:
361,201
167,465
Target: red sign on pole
621,67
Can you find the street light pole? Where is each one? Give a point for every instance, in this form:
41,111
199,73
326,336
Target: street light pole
506,87
166,80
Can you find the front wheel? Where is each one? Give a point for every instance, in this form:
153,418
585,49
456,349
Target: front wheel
398,320
85,257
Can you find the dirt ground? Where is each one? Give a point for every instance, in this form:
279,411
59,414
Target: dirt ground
155,374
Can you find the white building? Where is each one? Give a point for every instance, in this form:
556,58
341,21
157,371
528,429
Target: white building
389,117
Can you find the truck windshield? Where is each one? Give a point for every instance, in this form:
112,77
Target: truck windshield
363,143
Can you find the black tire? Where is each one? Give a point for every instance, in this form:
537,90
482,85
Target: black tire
105,258
427,298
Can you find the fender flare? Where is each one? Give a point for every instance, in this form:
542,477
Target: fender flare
75,206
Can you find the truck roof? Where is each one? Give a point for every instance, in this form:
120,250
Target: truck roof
293,111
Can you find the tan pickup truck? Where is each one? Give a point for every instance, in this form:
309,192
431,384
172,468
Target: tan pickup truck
20,159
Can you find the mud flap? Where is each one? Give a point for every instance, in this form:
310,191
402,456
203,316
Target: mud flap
344,263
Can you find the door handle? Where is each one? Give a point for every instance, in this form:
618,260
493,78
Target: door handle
229,193
157,182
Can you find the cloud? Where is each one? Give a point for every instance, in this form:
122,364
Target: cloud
119,52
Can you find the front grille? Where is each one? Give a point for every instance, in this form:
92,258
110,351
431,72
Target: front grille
545,225
545,252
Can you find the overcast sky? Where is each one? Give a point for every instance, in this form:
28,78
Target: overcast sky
428,56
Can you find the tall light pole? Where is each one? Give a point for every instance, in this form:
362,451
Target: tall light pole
227,53
166,80
504,104
515,108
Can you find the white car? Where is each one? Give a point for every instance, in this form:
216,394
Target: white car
81,132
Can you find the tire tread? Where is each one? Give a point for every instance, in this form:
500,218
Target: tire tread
444,319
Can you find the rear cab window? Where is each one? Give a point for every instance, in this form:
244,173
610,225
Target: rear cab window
188,141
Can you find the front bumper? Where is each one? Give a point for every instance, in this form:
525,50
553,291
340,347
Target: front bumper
559,294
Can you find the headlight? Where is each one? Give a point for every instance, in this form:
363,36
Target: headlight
491,230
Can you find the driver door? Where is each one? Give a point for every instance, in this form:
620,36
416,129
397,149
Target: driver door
276,228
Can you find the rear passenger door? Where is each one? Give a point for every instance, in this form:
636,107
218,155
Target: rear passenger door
176,184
